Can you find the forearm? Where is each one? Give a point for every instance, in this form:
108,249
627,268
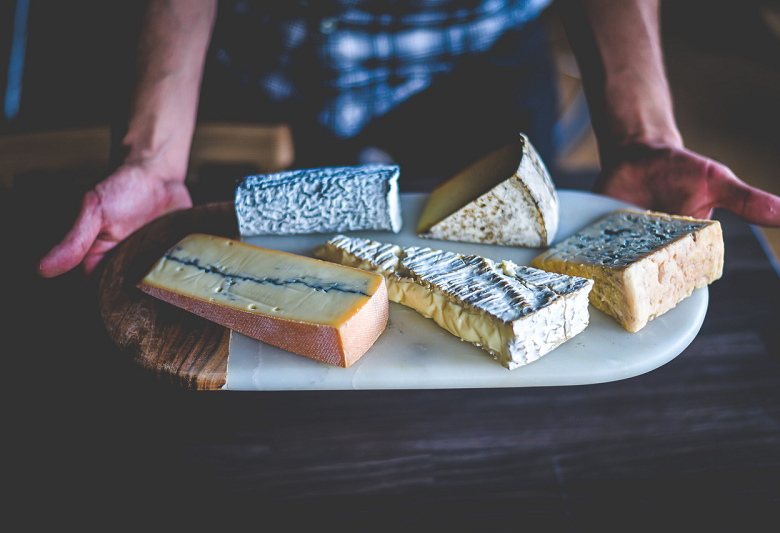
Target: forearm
163,107
618,47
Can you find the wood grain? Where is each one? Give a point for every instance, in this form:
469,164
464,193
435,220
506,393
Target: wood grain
177,346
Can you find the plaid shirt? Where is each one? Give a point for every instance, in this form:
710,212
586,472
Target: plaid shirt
348,61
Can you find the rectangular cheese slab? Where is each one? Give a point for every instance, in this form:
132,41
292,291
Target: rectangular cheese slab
313,308
320,200
472,297
643,263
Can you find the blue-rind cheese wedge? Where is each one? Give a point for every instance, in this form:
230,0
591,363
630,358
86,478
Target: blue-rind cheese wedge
313,308
320,200
497,307
643,263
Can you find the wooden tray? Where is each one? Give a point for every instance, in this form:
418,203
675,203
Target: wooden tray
179,347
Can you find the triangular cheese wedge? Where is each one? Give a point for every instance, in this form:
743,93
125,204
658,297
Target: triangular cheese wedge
516,313
506,198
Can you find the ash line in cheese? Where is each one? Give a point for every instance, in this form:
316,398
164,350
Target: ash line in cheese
211,269
261,280
309,307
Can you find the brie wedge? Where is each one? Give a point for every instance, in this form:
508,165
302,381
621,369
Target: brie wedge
643,263
505,198
514,319
313,308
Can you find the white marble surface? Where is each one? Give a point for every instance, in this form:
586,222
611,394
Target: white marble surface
413,352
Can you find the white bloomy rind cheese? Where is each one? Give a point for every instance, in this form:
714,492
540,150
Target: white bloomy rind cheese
514,319
574,291
320,200
643,263
313,308
505,198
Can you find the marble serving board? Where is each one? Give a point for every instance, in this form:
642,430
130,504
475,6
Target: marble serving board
414,353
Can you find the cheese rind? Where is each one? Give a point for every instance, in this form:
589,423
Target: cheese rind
505,198
297,303
471,297
643,263
320,200
574,291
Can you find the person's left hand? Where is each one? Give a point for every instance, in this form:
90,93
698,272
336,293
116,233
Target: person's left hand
677,181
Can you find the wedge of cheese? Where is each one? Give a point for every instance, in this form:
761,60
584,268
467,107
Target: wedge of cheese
314,308
514,319
574,291
505,198
320,200
643,263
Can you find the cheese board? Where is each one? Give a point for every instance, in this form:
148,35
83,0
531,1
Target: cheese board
413,352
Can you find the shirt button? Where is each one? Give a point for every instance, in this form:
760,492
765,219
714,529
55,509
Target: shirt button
328,25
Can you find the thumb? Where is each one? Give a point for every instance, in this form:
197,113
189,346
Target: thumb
751,204
74,246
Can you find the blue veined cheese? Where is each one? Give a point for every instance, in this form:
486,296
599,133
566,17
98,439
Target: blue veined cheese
472,297
643,263
313,308
505,198
320,200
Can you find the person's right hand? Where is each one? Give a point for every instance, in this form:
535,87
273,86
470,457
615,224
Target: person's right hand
673,179
128,199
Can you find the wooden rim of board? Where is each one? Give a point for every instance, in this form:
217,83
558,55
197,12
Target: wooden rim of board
177,346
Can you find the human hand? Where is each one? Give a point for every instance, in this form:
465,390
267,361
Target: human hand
677,181
125,201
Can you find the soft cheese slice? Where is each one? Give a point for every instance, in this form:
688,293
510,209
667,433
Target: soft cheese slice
471,297
643,263
505,198
574,291
313,308
320,200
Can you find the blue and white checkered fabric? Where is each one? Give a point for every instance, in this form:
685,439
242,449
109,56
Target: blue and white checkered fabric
350,61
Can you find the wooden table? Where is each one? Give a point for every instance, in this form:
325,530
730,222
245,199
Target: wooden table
694,442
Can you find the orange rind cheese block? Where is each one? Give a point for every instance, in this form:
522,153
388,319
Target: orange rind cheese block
310,307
